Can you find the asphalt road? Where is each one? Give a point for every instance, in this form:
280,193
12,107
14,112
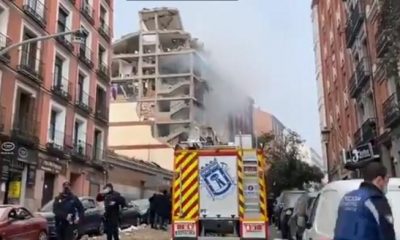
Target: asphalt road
150,234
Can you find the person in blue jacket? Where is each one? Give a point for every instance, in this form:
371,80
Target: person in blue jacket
365,213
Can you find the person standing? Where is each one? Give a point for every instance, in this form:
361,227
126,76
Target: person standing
68,211
365,213
152,211
113,203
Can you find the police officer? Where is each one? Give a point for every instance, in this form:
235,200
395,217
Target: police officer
113,202
152,210
68,210
365,214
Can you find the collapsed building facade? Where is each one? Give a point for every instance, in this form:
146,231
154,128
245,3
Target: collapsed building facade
160,68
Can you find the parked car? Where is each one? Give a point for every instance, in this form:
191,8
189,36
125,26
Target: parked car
323,215
129,217
91,224
300,215
288,201
17,222
142,207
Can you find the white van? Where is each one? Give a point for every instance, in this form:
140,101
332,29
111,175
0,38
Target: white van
321,224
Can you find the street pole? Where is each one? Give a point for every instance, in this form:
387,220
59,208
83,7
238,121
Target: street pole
38,39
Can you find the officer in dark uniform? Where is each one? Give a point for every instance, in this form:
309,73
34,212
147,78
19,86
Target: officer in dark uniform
113,203
68,211
365,214
152,211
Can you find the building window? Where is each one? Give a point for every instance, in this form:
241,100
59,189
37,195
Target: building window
30,52
98,145
62,20
79,139
58,69
103,16
101,55
56,126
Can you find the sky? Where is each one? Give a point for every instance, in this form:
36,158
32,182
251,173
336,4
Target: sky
264,46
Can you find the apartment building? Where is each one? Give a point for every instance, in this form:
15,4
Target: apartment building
357,94
265,122
54,98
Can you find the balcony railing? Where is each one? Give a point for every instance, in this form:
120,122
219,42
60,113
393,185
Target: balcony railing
65,40
391,111
354,23
31,66
383,39
87,11
105,30
25,129
366,132
103,72
36,10
102,113
86,55
4,42
360,77
62,87
55,143
81,151
2,116
98,154
84,101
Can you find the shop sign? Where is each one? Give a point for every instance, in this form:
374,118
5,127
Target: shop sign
51,166
5,169
359,156
7,148
22,153
31,175
14,189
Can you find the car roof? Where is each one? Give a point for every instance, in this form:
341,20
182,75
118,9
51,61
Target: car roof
351,184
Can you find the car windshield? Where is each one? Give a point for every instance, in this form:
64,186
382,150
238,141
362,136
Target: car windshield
290,199
48,207
394,199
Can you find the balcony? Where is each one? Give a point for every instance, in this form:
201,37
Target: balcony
354,23
103,72
383,39
86,56
36,10
31,67
65,40
360,77
55,143
105,30
4,42
98,154
87,11
81,151
102,113
83,101
366,132
25,130
62,88
391,111
2,116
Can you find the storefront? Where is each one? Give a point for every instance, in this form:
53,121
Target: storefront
358,157
53,172
18,171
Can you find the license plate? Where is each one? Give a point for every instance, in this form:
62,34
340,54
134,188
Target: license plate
254,227
185,229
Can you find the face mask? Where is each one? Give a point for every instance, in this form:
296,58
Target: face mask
67,190
107,190
384,190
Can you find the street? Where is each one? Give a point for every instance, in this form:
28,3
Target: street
145,233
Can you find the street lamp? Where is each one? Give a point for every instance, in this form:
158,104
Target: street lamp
78,34
325,139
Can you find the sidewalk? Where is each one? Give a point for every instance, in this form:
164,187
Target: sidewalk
143,233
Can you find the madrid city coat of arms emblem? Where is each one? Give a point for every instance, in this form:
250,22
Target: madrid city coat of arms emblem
216,179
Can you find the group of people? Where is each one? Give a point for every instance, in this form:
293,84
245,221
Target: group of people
68,211
160,210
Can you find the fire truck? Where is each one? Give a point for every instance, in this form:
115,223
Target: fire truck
219,192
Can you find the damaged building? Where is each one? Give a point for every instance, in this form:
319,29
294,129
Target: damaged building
164,92
161,70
